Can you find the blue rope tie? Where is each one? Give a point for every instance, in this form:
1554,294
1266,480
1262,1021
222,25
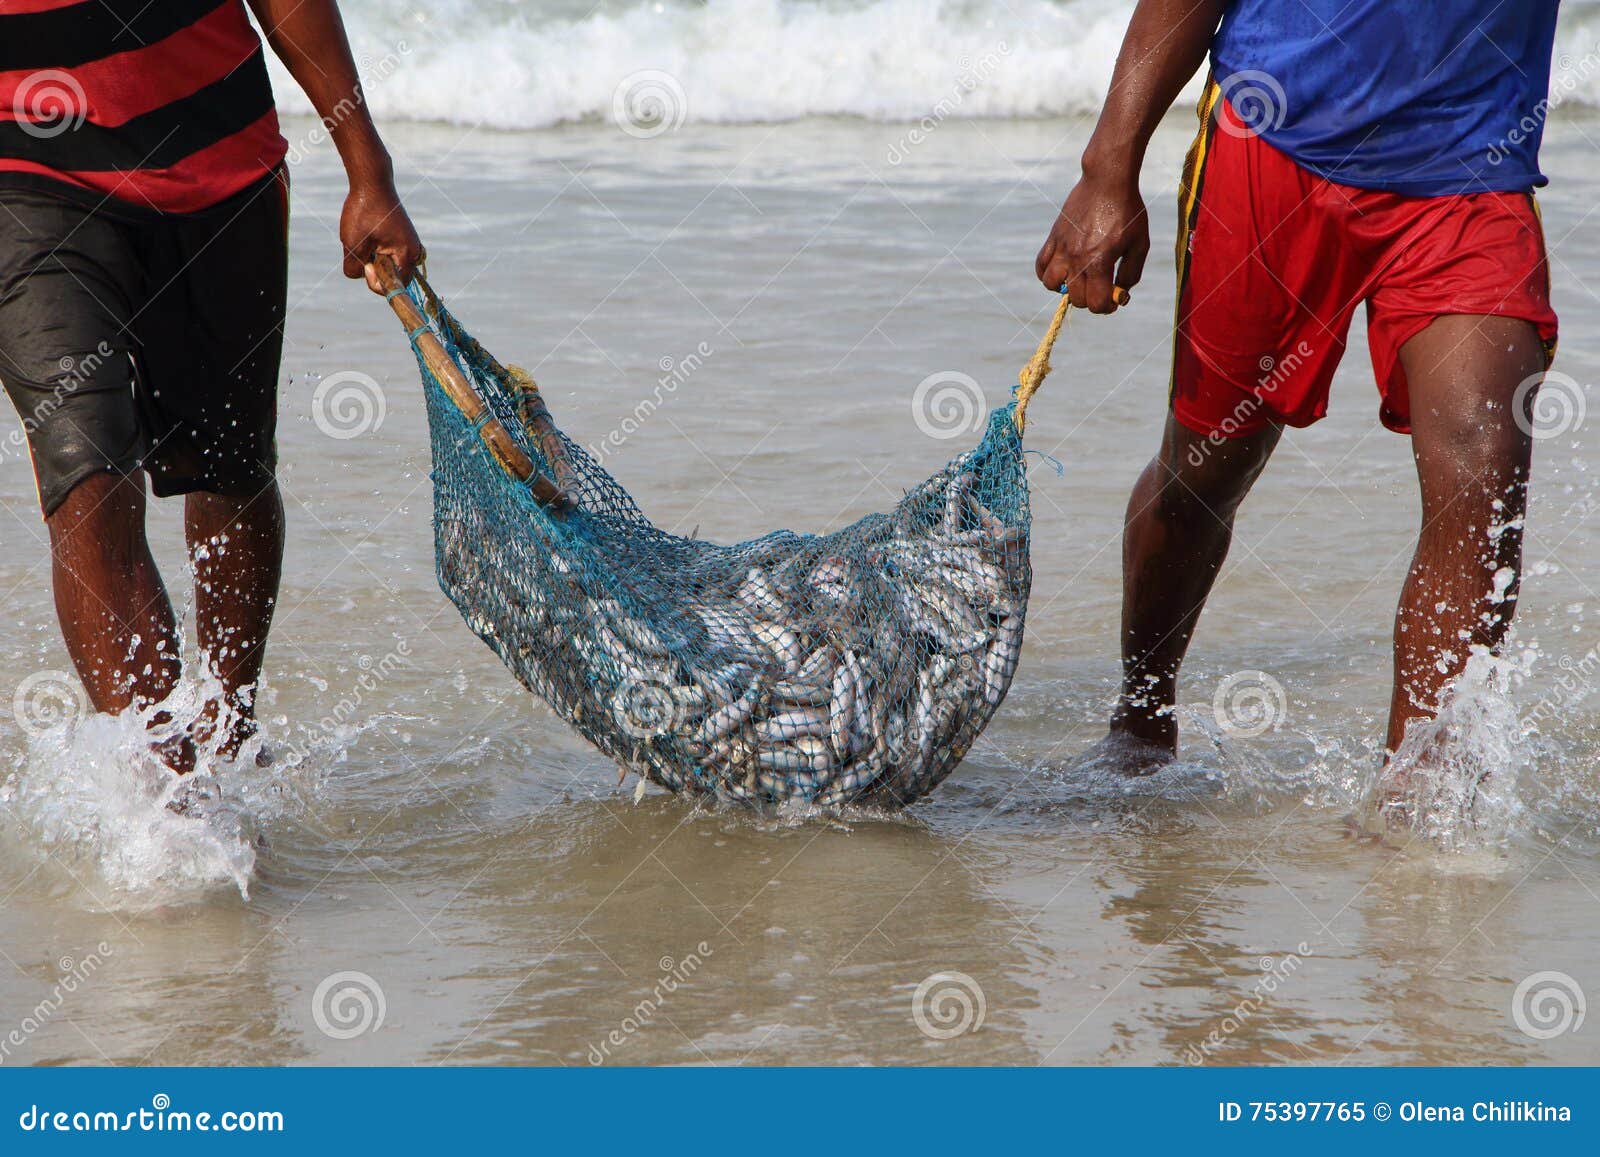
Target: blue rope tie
1056,462
414,334
391,294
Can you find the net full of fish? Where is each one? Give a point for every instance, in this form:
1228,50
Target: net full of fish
855,667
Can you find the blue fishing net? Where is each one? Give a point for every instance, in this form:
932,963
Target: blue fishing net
852,667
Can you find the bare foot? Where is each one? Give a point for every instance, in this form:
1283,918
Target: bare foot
176,751
197,796
1127,754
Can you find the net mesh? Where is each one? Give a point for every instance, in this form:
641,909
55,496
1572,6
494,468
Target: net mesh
855,667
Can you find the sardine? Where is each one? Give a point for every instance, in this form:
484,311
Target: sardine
1000,664
955,501
796,693
731,717
817,667
816,748
783,643
759,594
842,707
787,726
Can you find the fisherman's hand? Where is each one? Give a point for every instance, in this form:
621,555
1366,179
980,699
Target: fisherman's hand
1100,239
374,224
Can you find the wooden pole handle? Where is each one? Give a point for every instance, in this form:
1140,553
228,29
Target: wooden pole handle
511,457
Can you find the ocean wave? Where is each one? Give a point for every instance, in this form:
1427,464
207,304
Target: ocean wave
730,61
522,65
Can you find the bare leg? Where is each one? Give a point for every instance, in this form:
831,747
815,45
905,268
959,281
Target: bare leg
1472,457
236,547
1179,525
114,612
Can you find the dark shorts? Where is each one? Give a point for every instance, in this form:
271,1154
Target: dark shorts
144,342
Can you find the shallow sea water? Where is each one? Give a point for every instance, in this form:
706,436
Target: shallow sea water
445,874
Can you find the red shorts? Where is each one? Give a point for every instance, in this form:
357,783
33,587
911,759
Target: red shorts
1273,260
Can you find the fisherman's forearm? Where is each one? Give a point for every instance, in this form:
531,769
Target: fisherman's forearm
309,37
1166,41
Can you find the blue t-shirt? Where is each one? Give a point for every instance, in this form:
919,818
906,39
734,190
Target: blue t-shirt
1421,97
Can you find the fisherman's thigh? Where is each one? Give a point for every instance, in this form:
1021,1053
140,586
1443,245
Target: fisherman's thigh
65,347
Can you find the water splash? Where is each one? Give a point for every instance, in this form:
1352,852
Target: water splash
84,803
1456,779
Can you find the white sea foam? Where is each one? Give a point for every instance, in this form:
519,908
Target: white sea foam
87,800
536,64
1457,780
84,805
475,61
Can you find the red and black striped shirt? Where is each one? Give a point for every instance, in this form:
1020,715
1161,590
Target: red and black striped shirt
162,104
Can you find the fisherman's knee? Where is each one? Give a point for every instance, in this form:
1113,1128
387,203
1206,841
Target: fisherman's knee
102,512
1210,490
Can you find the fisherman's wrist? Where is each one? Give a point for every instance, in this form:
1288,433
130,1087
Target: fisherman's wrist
1106,165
